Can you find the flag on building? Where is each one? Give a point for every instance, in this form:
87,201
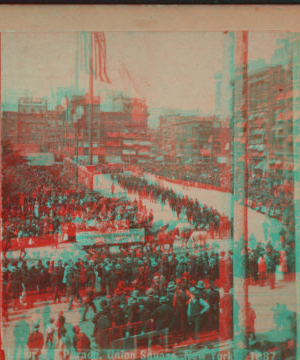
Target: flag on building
93,54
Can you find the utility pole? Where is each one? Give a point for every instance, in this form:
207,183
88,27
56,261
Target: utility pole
76,120
240,285
296,173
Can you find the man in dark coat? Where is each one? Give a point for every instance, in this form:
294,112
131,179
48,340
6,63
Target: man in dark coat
112,281
102,326
143,317
73,287
151,302
89,302
163,314
81,343
171,291
180,310
211,316
196,308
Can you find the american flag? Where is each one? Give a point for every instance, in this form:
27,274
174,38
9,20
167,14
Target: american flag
94,43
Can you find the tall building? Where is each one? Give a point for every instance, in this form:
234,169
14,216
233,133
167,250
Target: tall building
32,105
269,118
27,126
186,139
119,134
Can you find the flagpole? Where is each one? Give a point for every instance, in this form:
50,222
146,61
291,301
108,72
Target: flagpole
91,103
76,94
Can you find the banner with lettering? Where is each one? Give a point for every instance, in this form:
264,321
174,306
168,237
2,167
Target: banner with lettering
117,238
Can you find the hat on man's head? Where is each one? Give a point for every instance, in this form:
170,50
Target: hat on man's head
200,285
164,300
150,292
171,286
135,294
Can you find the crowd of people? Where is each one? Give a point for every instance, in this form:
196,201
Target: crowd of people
200,216
46,201
142,289
136,290
138,286
270,196
206,173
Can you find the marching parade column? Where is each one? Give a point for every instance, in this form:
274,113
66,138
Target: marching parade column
296,154
240,189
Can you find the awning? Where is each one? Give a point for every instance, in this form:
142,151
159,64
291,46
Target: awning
129,135
280,96
189,161
99,151
222,159
289,115
259,166
113,143
113,134
258,132
257,147
277,166
260,147
289,95
260,121
160,158
144,153
289,167
280,117
241,124
143,143
256,154
205,152
128,142
128,152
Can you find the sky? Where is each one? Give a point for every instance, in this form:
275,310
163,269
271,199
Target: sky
169,69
